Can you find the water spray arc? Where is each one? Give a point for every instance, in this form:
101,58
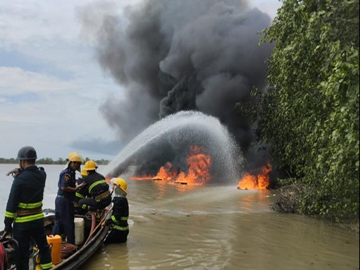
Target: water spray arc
181,131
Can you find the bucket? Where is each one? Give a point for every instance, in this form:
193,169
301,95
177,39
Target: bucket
55,241
79,231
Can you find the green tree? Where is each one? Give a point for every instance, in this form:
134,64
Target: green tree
311,113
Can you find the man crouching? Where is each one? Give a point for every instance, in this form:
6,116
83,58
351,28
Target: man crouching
118,221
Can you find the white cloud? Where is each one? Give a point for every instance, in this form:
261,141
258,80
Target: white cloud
58,69
17,81
39,105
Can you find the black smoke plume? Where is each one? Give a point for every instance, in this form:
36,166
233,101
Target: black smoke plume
174,55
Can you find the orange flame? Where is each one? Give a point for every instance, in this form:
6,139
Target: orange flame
141,178
199,165
166,173
198,173
260,181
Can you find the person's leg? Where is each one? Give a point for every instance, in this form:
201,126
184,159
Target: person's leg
85,203
39,236
67,215
21,235
104,203
123,236
116,236
111,237
58,226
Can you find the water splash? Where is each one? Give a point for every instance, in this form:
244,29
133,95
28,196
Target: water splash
180,131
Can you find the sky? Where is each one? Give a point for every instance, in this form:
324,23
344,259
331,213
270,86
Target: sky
51,85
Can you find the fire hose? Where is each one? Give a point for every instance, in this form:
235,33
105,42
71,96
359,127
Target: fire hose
102,221
67,250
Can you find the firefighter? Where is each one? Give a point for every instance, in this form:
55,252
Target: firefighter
24,210
65,199
95,195
118,222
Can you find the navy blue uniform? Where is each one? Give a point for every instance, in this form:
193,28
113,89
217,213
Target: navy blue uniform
95,193
24,209
118,220
64,206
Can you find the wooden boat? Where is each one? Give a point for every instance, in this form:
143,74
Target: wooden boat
94,234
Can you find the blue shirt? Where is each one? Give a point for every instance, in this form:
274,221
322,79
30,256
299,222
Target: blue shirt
67,179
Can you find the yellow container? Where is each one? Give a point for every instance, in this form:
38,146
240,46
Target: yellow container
55,241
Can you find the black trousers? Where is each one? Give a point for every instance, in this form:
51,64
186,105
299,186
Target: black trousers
64,219
22,233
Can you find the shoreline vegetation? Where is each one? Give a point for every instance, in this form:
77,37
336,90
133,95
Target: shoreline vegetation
308,117
287,202
50,161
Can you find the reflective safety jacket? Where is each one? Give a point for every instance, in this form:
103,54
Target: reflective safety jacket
96,188
26,197
120,214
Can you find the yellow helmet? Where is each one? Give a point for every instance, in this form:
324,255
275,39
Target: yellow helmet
72,153
74,157
121,183
90,166
84,173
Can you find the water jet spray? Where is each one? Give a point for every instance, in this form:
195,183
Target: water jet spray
169,139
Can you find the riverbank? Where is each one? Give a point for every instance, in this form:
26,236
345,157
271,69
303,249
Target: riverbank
288,201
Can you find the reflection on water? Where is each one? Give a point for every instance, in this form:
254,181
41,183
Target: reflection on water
213,227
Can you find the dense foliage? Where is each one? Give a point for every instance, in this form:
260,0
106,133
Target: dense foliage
310,115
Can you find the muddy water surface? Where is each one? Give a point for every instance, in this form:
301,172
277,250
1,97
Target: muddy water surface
213,227
222,228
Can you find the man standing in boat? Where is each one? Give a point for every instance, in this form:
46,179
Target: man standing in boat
24,210
64,202
95,194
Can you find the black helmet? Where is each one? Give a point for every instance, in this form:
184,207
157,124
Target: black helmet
27,153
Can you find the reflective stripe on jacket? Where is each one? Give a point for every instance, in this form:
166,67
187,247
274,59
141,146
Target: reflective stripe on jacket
26,196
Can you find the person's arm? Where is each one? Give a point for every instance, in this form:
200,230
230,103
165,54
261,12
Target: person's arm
82,192
14,172
72,189
116,216
12,205
65,186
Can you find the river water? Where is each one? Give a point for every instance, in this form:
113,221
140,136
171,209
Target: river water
212,227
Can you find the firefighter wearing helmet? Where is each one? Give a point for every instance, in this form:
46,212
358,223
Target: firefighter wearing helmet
119,228
24,209
95,194
64,202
